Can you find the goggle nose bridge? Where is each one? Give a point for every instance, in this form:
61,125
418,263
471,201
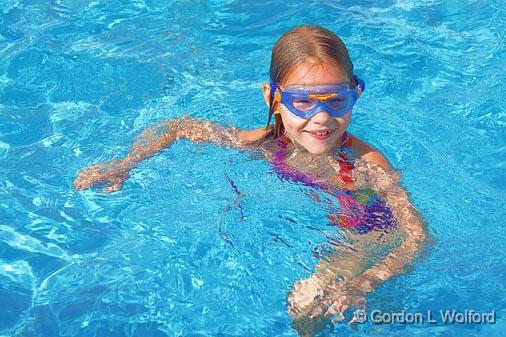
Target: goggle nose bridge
321,97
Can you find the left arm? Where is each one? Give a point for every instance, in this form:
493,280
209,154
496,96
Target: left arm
386,182
415,237
336,298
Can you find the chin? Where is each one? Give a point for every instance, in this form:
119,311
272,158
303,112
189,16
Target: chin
319,150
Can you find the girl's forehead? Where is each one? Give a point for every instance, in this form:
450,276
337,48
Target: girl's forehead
310,73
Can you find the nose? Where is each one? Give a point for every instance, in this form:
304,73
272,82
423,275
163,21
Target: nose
320,117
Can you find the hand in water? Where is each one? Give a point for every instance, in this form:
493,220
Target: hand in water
112,173
305,294
336,300
312,299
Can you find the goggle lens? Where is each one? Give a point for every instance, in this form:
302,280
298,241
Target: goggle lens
303,104
338,102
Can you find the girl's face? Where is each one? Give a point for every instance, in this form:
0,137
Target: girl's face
321,133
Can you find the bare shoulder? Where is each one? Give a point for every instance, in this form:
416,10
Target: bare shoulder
369,152
248,136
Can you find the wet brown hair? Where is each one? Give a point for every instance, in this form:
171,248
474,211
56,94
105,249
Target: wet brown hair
301,44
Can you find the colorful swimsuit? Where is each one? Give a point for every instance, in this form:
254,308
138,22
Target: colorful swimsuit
361,210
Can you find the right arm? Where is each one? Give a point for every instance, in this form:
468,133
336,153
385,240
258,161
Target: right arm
157,138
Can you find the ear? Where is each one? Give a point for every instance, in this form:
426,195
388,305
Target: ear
360,85
359,91
266,90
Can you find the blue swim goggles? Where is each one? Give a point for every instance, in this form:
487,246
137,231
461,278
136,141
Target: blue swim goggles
305,101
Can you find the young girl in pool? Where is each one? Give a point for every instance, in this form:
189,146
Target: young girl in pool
311,94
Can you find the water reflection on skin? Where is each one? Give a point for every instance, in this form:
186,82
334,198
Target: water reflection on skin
354,267
326,292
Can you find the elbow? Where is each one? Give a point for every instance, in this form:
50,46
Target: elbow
426,241
418,242
174,126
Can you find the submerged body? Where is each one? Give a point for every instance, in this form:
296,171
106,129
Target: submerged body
354,173
361,208
311,94
369,209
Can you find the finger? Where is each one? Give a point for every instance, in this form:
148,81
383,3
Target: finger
317,311
339,318
359,316
333,309
295,313
77,184
353,321
113,188
82,183
86,178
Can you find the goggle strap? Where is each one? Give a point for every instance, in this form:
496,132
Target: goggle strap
274,89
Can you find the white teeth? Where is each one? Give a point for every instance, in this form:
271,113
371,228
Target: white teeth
321,133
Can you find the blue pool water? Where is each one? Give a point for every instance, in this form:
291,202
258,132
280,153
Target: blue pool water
172,254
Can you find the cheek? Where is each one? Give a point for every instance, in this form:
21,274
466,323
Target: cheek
345,120
291,122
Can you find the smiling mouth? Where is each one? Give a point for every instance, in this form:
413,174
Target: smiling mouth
320,135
